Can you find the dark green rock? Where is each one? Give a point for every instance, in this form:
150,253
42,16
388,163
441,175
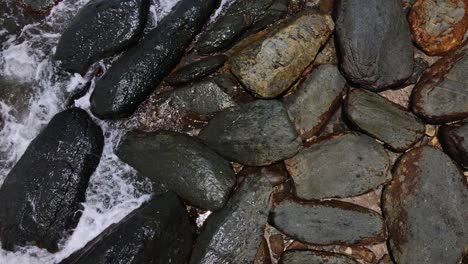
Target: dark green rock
314,257
256,134
182,163
196,70
339,165
234,234
426,208
383,119
454,140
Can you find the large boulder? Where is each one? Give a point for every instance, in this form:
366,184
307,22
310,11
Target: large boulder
158,232
100,29
374,43
42,195
136,74
454,140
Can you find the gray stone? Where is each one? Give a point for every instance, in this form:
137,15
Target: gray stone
454,140
196,70
314,257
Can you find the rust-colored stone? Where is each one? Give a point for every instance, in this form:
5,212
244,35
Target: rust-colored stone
263,254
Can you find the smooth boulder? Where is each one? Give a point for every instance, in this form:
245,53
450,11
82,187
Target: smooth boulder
314,257
42,195
196,70
454,140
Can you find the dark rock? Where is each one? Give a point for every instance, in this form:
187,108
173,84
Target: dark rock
340,165
182,163
383,119
374,43
420,66
233,234
38,5
197,70
157,232
269,66
42,195
314,257
12,19
136,74
454,140
426,207
231,86
256,134
328,222
100,29
312,104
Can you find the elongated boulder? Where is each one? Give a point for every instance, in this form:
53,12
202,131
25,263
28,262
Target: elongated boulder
158,232
314,257
42,195
441,96
258,133
374,43
454,140
426,207
340,165
315,100
100,29
380,118
182,163
196,70
234,234
140,69
328,222
269,66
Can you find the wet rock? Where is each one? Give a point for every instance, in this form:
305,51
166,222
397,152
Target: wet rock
157,232
441,95
182,163
314,257
315,100
340,165
438,26
383,119
233,234
328,222
256,134
426,207
228,83
42,195
135,75
452,138
38,5
269,66
374,43
197,70
100,29
12,19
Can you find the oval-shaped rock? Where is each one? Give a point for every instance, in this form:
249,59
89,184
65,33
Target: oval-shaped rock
158,232
314,257
100,29
454,140
269,66
256,134
196,70
383,119
41,196
182,163
426,208
233,234
328,222
315,100
374,43
340,165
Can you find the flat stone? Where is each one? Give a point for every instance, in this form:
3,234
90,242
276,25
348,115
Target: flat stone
312,104
196,70
269,66
426,207
454,140
256,134
234,234
182,163
339,165
377,116
374,43
438,26
328,222
314,257
42,195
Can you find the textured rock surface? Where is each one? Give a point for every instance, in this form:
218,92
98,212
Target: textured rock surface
234,234
12,19
100,29
438,26
341,165
312,104
256,134
182,163
42,195
269,66
426,207
158,232
374,42
196,70
38,5
383,119
314,257
454,140
328,222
